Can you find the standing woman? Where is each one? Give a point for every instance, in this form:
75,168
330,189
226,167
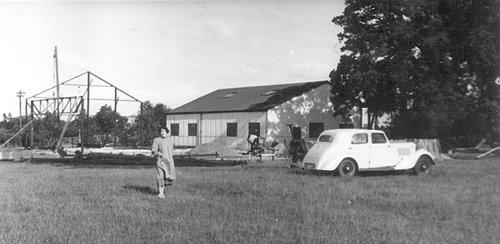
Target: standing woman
162,150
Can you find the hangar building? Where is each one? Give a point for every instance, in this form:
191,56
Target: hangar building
227,116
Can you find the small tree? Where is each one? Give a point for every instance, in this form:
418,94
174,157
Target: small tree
147,123
108,120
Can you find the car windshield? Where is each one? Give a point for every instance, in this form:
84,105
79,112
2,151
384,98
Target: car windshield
325,138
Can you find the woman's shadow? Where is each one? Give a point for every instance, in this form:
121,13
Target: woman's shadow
142,189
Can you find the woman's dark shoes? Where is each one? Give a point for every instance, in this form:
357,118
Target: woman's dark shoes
169,182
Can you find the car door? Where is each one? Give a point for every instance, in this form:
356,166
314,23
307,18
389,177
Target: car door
382,154
359,149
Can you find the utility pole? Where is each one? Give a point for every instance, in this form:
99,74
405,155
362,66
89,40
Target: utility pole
57,82
20,94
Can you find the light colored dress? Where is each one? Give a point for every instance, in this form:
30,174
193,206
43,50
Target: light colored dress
163,151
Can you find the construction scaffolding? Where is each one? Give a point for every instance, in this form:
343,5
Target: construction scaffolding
66,107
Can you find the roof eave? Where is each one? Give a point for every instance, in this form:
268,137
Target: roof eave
217,111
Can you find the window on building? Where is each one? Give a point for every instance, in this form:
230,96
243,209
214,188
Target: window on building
252,127
378,138
296,133
315,129
269,93
232,129
228,95
192,129
174,129
361,138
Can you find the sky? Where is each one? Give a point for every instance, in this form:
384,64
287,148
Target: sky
169,52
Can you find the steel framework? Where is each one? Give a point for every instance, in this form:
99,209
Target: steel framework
39,104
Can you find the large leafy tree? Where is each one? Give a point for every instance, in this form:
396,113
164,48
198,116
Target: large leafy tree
473,28
407,58
378,41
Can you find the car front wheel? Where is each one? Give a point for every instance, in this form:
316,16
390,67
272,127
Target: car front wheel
423,166
347,168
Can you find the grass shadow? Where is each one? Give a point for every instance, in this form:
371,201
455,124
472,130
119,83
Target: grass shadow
132,164
384,173
142,189
298,171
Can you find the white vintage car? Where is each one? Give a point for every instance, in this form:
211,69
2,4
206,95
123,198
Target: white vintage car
348,151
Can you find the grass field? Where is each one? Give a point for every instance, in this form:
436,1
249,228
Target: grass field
262,203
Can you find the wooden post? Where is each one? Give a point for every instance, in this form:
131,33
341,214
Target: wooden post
141,127
31,127
81,124
114,118
20,94
26,116
199,141
57,84
88,109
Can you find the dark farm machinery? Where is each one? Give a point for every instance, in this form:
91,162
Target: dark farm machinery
297,147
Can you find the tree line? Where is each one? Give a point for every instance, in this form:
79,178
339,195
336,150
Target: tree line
430,65
136,132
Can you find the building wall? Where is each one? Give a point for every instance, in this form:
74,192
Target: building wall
212,127
311,107
183,120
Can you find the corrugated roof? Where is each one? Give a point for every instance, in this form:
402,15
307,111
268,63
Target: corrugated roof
246,99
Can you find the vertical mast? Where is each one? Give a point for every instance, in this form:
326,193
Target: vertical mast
57,82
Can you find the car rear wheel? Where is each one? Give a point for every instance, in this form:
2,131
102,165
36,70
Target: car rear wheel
347,168
423,166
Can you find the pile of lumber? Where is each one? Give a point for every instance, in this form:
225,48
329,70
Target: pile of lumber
477,152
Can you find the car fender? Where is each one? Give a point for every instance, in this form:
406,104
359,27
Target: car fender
410,161
333,162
